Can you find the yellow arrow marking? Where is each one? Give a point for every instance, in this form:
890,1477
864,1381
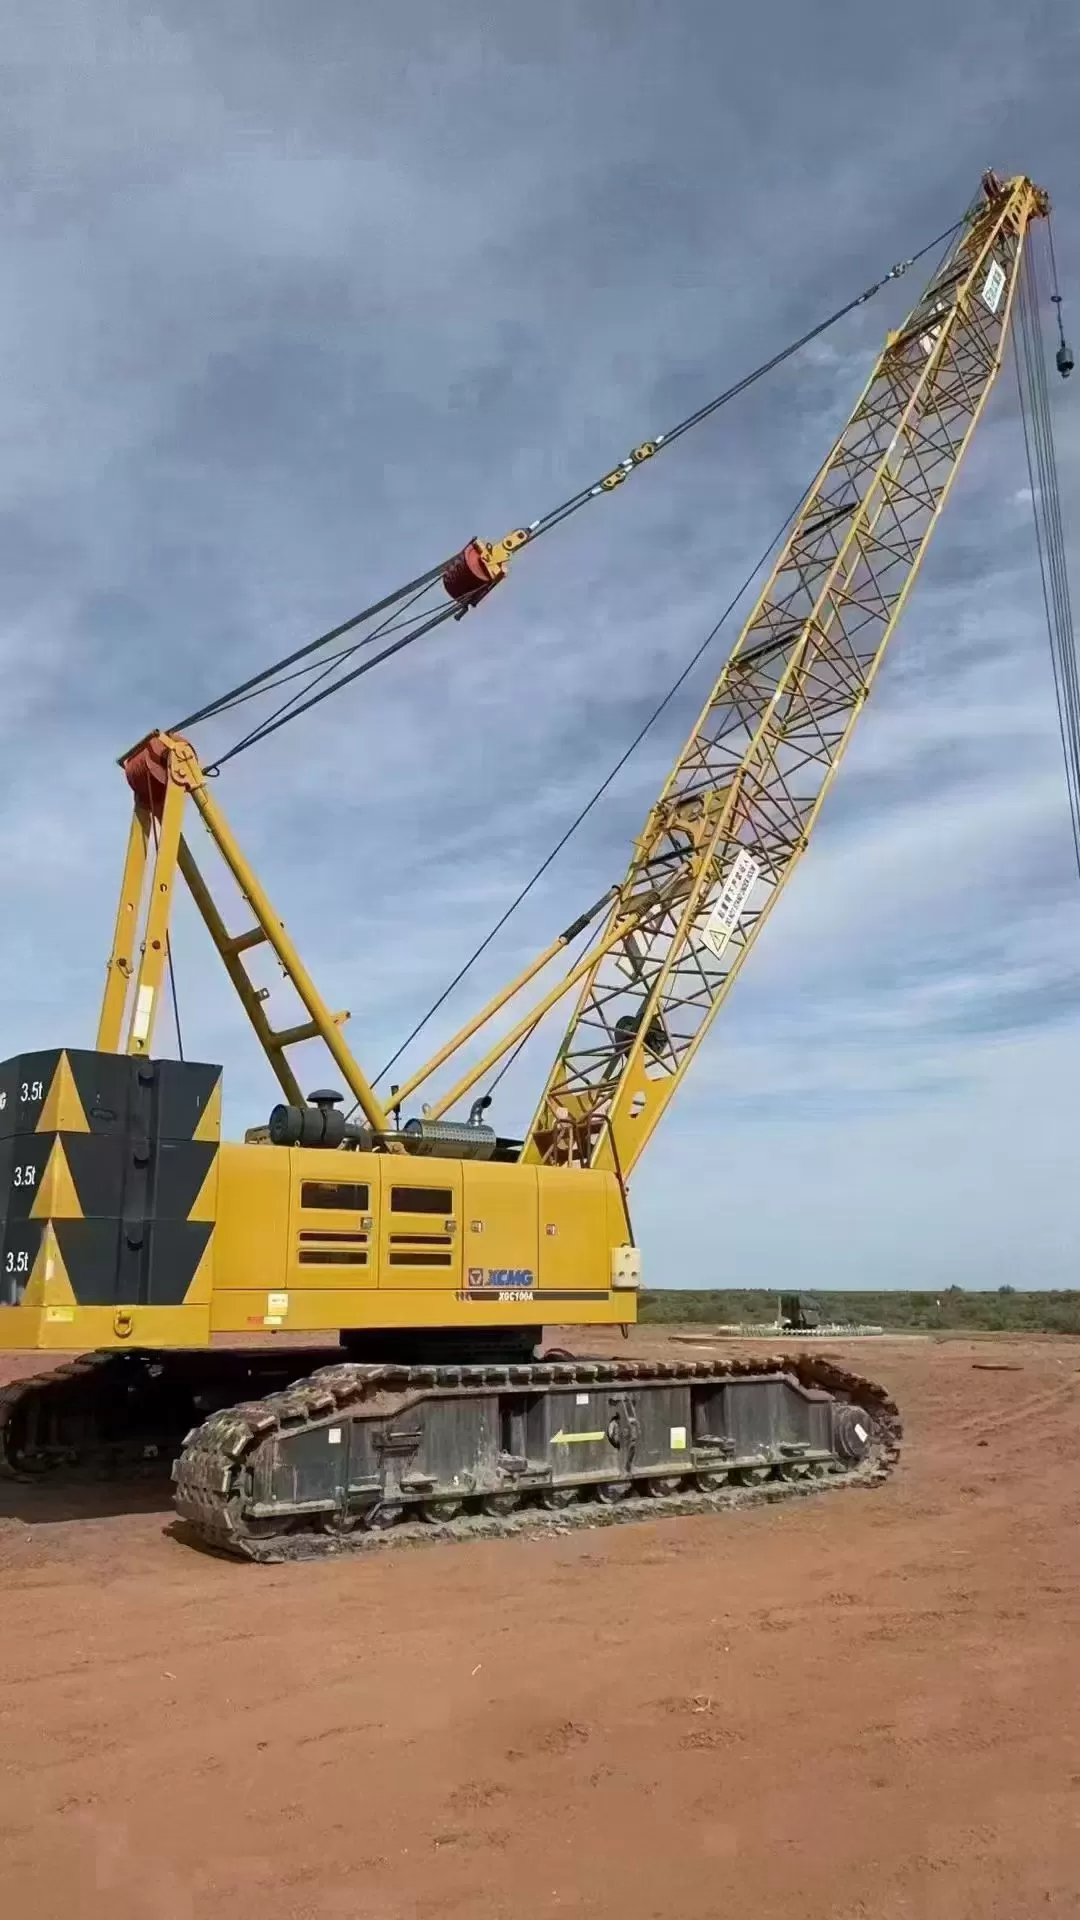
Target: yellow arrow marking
574,1439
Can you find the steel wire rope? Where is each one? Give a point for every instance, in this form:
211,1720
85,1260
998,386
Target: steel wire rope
265,678
941,240
312,646
175,1000
170,965
1050,542
299,673
346,679
605,783
667,439
1040,455
291,708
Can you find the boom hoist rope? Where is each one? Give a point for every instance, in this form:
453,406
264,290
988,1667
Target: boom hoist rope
413,610
583,812
598,793
1039,444
466,579
1064,362
889,471
1046,507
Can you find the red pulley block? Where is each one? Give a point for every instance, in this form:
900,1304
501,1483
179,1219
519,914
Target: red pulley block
468,577
147,773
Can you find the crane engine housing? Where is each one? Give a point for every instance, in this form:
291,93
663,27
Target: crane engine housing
125,1216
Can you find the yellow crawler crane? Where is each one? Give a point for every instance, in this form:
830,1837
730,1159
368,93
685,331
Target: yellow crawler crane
434,1251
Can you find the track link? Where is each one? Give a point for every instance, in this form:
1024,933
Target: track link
20,1400
358,1457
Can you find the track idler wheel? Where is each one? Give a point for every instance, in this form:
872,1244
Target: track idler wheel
851,1433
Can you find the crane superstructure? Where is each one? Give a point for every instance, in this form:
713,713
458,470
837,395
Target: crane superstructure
434,1247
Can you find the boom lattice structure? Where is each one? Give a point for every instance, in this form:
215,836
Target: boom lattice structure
738,807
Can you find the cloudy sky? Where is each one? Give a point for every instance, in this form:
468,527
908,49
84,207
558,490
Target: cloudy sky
300,298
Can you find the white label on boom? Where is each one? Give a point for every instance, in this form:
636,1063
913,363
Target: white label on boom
731,902
993,286
144,1006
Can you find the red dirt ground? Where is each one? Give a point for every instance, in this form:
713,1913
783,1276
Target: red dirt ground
862,1706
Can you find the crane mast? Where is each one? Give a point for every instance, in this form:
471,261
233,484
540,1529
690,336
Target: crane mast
738,807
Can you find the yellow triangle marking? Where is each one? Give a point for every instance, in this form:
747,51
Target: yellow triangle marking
48,1285
62,1110
56,1197
209,1126
201,1289
204,1205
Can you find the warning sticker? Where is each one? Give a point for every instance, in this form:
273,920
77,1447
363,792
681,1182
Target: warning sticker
993,286
730,903
678,1439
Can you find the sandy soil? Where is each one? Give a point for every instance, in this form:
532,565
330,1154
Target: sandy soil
861,1705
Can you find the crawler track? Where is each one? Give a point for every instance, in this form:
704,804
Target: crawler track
19,1400
109,1414
362,1457
358,1457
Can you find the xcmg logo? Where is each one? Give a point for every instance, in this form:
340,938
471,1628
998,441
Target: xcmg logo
501,1277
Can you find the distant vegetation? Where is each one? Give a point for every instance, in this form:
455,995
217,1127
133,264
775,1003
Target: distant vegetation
1003,1311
